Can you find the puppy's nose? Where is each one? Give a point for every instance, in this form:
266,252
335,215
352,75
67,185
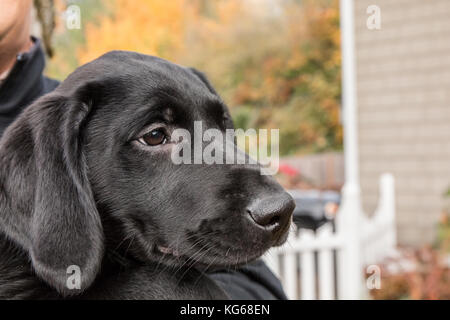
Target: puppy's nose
272,213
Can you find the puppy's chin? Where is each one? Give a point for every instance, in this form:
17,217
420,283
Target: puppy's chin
210,259
210,250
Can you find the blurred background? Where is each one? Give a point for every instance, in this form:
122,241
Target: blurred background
277,64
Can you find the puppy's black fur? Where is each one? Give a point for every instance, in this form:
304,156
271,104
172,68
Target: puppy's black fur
77,187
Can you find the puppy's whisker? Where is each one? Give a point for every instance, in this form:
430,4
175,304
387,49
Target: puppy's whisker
179,267
203,273
195,257
192,265
129,244
127,237
192,257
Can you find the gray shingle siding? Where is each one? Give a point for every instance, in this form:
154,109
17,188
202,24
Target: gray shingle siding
403,76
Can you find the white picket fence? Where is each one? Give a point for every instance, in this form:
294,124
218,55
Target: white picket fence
322,265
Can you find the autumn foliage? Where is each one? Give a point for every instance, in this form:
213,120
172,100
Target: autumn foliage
275,62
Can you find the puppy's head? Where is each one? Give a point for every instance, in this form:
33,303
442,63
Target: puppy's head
105,141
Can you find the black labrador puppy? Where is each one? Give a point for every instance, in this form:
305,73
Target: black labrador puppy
91,205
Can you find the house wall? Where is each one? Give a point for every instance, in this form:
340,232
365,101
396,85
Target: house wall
403,78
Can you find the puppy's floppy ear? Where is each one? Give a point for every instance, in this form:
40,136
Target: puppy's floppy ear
66,230
204,79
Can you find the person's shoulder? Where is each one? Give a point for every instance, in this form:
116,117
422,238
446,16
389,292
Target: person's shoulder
50,84
252,281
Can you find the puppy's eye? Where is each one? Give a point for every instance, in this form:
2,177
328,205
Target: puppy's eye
227,121
154,137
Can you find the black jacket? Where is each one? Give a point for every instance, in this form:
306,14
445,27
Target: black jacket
26,82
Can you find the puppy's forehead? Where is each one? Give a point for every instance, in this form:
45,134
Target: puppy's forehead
139,84
150,78
133,71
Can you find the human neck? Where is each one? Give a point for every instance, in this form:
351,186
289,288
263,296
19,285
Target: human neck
8,56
